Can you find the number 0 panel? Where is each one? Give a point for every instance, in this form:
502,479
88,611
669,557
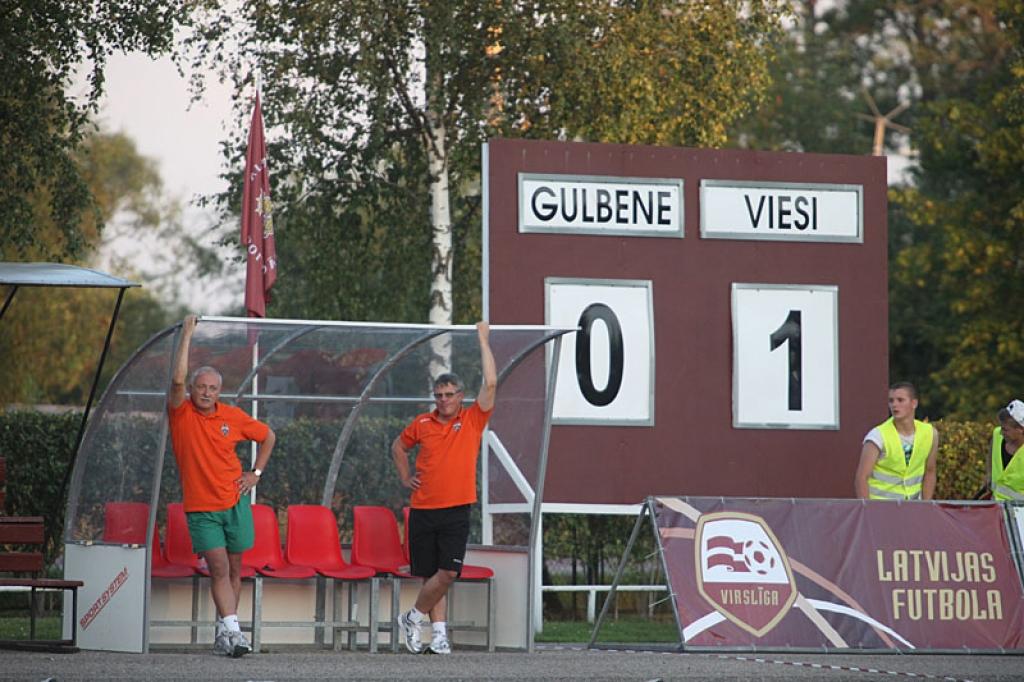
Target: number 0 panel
785,356
606,369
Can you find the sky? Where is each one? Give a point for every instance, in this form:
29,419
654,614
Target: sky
147,100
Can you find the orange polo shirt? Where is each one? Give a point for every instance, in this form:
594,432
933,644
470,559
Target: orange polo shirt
446,462
204,446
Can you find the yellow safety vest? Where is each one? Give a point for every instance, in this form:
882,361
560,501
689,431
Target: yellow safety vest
893,478
1007,484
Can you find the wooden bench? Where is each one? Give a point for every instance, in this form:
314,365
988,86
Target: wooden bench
27,533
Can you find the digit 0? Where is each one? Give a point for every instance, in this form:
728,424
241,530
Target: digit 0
593,313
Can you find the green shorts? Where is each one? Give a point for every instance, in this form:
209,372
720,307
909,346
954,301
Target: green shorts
231,528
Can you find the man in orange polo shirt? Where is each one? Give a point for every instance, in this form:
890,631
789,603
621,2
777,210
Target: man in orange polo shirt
215,491
443,489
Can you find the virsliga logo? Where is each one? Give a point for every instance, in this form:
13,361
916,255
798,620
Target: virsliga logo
743,571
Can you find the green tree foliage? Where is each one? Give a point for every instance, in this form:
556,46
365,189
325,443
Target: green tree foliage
663,73
954,228
895,51
42,123
957,264
814,96
67,327
374,108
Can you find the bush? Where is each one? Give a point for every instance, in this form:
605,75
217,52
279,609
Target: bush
37,447
963,458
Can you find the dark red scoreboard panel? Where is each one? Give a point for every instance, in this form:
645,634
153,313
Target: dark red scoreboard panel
745,356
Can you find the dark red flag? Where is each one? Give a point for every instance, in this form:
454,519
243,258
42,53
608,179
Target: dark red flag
257,221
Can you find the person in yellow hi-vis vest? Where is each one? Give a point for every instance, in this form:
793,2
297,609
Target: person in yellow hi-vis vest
897,458
1007,471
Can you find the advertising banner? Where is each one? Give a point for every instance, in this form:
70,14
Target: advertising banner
841,574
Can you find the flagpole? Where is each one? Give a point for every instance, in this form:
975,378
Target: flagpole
253,448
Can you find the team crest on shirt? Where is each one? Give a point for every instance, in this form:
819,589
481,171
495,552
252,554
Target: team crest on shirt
224,429
457,426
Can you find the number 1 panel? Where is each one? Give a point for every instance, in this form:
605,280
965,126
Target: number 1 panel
785,356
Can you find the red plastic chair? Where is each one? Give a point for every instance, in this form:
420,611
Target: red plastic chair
163,568
312,540
125,522
266,559
177,542
376,542
265,556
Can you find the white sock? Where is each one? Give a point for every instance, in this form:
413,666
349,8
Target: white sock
440,629
415,615
231,623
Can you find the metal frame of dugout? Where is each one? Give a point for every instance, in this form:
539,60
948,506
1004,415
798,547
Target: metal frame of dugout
343,388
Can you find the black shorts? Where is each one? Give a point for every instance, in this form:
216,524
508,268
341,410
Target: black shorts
437,539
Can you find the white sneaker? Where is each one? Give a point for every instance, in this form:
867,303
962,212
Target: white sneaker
410,632
240,643
440,645
222,643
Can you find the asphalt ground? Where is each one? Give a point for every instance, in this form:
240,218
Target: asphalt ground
547,663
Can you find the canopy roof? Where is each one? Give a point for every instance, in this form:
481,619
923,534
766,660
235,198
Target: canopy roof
335,393
59,275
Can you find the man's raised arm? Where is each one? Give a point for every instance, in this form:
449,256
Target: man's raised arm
180,373
490,386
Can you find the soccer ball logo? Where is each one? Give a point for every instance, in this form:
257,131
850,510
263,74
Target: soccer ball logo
758,557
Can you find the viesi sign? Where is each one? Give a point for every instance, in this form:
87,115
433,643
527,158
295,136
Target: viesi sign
601,205
733,209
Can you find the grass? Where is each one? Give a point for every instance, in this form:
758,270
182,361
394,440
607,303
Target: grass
637,630
17,627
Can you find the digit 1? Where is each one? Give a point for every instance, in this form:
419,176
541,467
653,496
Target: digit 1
790,331
593,313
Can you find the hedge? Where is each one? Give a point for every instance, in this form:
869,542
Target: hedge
37,447
963,459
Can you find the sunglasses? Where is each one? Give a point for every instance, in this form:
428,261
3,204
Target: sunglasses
446,394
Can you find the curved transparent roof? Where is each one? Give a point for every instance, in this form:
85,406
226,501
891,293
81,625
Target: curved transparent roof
335,393
58,275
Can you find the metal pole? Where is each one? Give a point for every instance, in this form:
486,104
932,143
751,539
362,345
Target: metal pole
154,500
618,574
7,301
533,597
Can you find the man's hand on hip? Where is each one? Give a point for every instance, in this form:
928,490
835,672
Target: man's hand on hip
246,482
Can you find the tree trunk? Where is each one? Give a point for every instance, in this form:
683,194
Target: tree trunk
441,245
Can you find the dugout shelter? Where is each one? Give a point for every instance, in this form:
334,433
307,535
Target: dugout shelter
336,394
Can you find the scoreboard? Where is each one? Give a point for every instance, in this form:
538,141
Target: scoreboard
731,305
